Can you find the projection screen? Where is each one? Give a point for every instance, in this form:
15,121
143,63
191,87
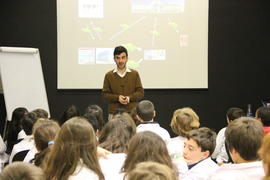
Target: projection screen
167,41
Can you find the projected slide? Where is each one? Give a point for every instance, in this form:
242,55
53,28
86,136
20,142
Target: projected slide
166,41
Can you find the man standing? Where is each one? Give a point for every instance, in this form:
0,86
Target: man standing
122,87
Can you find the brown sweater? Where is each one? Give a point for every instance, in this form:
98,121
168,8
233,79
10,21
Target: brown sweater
129,85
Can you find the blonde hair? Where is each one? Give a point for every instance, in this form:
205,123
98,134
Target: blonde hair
184,120
264,153
151,171
22,171
75,142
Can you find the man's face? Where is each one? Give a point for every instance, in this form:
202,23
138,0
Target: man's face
121,60
192,152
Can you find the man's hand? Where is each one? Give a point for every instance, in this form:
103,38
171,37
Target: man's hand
123,99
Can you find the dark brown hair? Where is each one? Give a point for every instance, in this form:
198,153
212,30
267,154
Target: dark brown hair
115,136
205,139
146,146
245,136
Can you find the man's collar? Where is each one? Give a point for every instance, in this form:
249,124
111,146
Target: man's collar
116,70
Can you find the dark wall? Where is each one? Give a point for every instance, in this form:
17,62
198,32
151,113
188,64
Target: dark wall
238,59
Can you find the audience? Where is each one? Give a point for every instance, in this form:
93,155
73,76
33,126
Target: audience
145,114
263,115
198,148
22,171
71,152
244,138
74,154
220,154
151,171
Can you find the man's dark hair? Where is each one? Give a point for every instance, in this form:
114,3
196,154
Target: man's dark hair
145,110
120,49
205,138
245,136
264,114
235,113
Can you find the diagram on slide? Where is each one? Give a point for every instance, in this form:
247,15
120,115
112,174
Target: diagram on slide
146,34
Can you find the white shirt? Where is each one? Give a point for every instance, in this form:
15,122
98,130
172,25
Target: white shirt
2,146
31,154
176,147
111,167
3,155
123,74
220,153
201,171
241,171
82,173
26,144
21,134
155,128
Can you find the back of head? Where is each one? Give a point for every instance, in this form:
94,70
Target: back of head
76,141
68,113
263,113
44,131
28,121
146,146
245,136
92,119
145,110
264,154
22,171
116,135
205,138
96,111
151,171
127,119
41,113
119,49
184,120
18,113
234,113
14,126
